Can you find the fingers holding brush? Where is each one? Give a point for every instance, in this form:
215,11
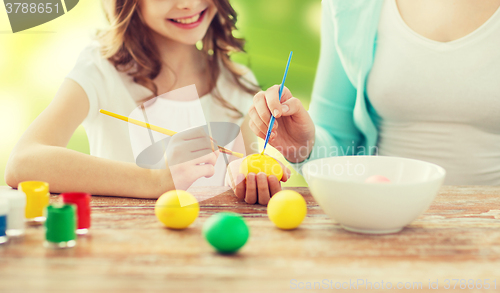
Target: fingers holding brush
272,99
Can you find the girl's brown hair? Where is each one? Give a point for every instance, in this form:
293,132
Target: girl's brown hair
128,45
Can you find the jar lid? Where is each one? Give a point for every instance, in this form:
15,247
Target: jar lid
16,198
34,188
4,206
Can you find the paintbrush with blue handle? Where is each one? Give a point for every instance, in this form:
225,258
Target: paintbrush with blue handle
271,122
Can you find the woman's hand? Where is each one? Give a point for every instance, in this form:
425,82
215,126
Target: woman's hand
190,155
256,188
293,130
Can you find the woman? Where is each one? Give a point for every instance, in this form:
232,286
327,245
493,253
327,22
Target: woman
407,78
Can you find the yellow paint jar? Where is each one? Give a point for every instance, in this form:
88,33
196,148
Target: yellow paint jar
37,199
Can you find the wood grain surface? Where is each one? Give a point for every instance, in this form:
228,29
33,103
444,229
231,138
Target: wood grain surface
128,250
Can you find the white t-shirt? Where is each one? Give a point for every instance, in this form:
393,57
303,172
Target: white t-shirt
439,102
115,91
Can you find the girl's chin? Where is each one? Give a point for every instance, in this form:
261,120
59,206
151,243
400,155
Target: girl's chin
185,40
182,37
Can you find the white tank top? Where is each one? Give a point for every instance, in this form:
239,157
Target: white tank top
439,102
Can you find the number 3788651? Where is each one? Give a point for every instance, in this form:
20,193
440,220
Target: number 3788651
32,7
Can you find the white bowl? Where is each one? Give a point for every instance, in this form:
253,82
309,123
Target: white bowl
338,185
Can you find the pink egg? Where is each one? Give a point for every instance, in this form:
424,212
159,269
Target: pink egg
377,179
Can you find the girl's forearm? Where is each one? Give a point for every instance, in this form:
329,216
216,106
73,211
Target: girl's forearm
67,170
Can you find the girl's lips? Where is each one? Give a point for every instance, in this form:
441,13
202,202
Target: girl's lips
177,22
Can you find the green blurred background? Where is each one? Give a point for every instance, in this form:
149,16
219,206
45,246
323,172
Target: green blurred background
33,63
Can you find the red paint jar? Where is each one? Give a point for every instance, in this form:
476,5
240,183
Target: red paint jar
82,202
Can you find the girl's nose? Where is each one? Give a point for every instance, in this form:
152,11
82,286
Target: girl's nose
188,4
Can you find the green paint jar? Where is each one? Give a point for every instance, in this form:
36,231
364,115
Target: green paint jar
60,226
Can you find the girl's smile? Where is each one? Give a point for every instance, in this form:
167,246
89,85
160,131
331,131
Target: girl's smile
182,21
189,22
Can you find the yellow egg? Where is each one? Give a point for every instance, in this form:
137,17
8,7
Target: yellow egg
261,163
287,209
177,209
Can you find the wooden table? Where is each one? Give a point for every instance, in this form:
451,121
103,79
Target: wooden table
128,250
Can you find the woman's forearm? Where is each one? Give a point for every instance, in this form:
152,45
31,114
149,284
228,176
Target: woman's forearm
67,170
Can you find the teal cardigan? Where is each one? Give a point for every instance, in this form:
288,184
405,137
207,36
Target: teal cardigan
344,119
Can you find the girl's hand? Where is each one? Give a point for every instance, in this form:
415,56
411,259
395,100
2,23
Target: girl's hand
293,130
256,188
190,155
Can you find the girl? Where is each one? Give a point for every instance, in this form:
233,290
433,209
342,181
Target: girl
409,78
149,50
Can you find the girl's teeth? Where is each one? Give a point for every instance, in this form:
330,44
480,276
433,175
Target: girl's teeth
188,20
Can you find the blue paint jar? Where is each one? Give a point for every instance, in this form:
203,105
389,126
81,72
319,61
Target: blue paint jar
4,210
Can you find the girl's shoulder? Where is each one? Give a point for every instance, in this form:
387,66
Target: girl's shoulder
97,77
91,59
92,69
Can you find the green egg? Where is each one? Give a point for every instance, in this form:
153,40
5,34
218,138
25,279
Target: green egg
226,232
